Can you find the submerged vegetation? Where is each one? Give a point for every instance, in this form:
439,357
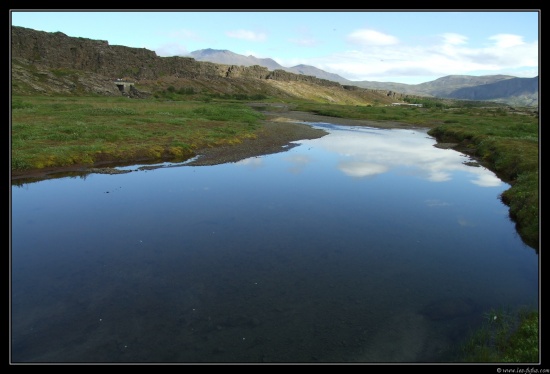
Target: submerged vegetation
504,337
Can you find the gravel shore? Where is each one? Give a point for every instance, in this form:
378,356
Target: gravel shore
281,127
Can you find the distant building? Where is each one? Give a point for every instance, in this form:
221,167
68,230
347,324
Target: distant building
124,86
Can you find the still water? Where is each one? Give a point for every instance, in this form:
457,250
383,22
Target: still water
365,245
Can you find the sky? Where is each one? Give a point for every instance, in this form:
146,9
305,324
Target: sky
408,47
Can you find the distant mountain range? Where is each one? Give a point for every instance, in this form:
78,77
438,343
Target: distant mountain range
226,57
499,88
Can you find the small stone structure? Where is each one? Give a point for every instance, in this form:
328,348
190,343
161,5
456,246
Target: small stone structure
123,86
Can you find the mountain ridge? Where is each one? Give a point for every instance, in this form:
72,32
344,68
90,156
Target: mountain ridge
54,63
47,63
450,86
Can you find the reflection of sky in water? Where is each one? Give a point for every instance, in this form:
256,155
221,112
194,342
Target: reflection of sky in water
372,151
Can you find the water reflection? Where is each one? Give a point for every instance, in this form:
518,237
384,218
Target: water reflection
342,249
370,152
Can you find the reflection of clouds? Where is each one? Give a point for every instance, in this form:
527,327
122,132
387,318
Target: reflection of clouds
299,161
370,151
252,161
487,180
438,176
435,202
465,223
361,169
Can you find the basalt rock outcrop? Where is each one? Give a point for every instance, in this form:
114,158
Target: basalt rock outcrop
67,63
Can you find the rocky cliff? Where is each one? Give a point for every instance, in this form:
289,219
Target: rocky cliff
43,61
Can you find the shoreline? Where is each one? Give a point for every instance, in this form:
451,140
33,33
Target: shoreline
279,130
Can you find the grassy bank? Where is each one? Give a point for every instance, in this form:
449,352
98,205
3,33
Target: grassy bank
58,132
504,337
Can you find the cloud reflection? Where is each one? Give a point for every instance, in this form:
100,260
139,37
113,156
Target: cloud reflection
299,161
361,169
436,203
367,152
487,180
252,162
464,222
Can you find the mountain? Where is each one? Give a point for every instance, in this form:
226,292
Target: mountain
223,56
445,86
312,70
519,89
229,58
467,87
441,87
46,63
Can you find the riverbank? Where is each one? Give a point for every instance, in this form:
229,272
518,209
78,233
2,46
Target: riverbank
279,130
281,127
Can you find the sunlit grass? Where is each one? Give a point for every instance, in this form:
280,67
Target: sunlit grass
50,132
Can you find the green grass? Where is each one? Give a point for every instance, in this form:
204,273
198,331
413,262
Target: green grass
57,131
504,337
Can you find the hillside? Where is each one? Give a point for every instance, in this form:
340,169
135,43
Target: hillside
520,89
56,64
466,87
231,58
226,57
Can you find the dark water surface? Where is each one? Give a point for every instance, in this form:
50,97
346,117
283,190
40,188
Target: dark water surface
366,245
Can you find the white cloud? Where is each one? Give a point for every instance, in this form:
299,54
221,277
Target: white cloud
368,37
172,49
304,42
247,35
183,34
177,49
524,73
452,55
454,39
507,40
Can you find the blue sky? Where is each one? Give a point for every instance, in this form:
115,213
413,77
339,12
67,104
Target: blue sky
392,46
